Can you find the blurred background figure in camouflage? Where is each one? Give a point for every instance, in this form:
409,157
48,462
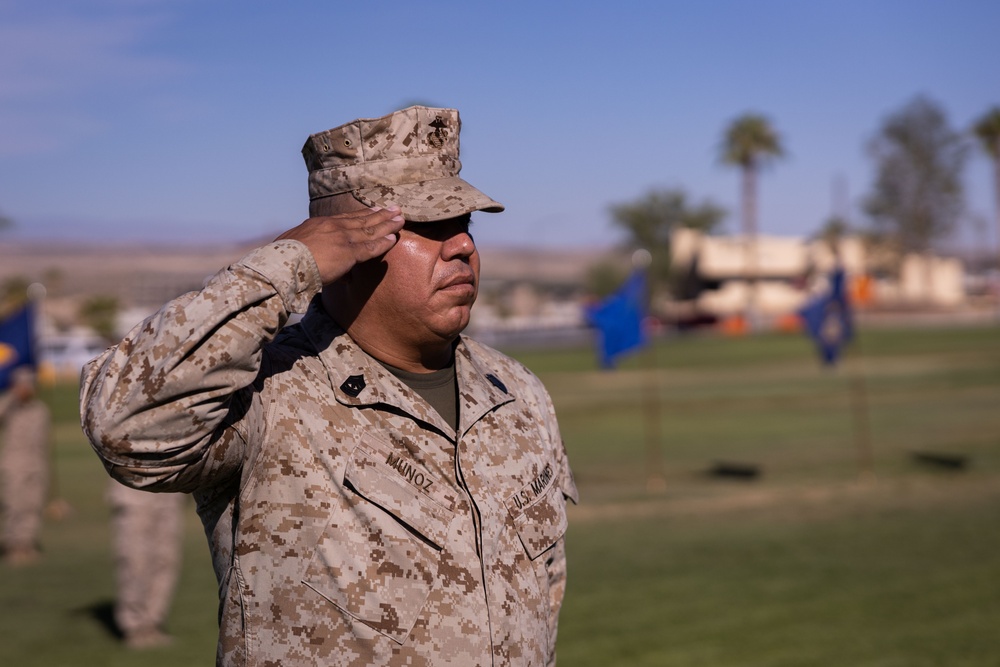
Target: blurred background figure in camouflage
24,466
146,539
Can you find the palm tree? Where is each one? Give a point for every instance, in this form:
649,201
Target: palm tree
750,142
988,131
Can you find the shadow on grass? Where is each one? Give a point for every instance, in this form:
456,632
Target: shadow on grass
104,613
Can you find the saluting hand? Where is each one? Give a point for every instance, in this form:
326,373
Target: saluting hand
338,242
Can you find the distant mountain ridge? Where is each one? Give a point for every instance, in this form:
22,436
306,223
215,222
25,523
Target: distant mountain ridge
152,273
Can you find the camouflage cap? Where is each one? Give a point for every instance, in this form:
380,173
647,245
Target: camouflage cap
409,157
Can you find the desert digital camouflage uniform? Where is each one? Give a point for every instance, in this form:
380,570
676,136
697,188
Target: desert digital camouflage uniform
24,471
146,539
349,523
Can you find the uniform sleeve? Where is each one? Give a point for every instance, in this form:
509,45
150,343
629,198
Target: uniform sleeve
155,406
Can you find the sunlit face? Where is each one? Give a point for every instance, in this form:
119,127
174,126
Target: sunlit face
430,281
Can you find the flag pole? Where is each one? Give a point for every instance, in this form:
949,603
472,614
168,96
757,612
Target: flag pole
829,323
655,480
858,389
620,321
652,418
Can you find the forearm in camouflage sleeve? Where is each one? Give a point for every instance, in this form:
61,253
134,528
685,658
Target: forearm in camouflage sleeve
152,405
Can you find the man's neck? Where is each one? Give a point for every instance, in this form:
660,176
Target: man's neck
423,359
387,346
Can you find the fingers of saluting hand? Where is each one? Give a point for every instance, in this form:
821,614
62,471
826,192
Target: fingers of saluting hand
367,231
339,242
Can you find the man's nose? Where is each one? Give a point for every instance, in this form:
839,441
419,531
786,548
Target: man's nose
458,245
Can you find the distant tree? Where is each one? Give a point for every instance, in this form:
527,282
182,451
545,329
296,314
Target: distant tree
834,228
917,196
987,130
53,279
650,220
13,294
750,142
833,231
100,314
604,277
5,222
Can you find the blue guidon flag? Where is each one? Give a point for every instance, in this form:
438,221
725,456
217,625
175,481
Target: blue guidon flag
17,344
618,319
828,319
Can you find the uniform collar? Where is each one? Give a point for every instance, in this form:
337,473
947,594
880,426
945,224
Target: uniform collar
358,380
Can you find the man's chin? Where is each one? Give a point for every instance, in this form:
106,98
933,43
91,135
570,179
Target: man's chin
456,322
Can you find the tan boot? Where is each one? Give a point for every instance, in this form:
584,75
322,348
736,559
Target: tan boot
148,638
22,557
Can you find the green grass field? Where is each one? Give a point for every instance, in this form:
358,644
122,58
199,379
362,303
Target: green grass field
825,558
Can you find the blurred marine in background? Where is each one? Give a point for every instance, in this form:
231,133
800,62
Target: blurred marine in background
377,489
25,423
146,540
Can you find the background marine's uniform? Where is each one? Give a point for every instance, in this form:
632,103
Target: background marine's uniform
147,541
349,523
24,473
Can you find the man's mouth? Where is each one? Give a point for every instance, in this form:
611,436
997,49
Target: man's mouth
458,281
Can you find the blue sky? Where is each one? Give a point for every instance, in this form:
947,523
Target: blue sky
183,120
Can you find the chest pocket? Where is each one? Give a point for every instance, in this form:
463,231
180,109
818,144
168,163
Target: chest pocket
539,513
378,563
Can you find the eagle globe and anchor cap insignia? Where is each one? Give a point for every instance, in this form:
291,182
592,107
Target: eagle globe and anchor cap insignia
440,133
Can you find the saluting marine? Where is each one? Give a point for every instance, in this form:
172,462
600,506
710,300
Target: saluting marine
377,488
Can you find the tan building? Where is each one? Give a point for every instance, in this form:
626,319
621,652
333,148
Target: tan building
776,275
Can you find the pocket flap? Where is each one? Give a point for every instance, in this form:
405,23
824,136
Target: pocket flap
403,488
539,514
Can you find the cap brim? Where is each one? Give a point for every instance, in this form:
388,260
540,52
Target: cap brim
428,201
